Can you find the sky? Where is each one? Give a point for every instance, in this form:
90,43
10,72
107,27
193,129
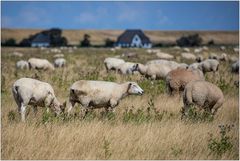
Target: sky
121,15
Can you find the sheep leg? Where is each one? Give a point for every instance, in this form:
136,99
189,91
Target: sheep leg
216,106
23,112
72,103
35,110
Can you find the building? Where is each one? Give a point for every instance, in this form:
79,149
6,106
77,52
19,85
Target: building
133,38
41,40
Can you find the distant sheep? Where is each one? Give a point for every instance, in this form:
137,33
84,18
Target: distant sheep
235,67
177,79
203,94
194,66
112,63
40,64
166,56
59,62
188,56
17,54
97,94
186,49
209,65
22,64
129,55
199,58
126,68
27,91
58,56
213,56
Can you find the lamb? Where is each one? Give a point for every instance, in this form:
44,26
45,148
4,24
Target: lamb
177,79
97,94
188,56
203,94
43,64
153,71
22,64
28,91
59,62
209,65
235,67
112,63
126,68
166,56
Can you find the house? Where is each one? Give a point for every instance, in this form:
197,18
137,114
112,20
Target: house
133,38
41,40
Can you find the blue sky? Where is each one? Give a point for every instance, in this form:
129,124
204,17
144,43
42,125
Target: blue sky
121,15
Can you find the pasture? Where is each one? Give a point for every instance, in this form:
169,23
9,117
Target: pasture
142,127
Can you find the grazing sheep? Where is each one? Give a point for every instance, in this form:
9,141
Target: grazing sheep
194,66
209,65
129,55
17,54
166,56
177,79
203,94
222,47
205,48
199,50
233,59
213,56
22,64
235,67
199,58
188,56
40,64
236,49
153,71
112,63
186,49
171,64
58,56
126,68
223,57
59,62
97,94
176,48
27,91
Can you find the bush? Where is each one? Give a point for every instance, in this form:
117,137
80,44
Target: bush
211,42
220,146
9,42
86,41
189,41
109,42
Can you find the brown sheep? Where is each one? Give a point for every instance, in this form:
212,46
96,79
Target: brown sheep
177,79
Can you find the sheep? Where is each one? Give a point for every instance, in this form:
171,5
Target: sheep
223,57
112,63
166,56
36,63
59,62
222,47
153,71
209,65
22,64
205,48
28,91
199,50
58,56
236,49
98,94
235,67
126,68
186,49
171,64
194,66
199,58
17,54
213,56
188,56
233,59
203,94
129,55
177,79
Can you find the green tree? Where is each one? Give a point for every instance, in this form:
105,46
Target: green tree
86,41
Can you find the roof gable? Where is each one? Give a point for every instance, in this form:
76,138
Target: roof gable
41,38
128,36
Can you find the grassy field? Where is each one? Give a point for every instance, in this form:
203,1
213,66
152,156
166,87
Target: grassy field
98,36
143,127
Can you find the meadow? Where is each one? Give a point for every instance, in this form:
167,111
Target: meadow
142,127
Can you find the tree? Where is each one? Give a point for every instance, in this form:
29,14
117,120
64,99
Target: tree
109,42
191,40
9,42
86,41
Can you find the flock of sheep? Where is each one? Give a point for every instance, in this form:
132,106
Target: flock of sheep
180,78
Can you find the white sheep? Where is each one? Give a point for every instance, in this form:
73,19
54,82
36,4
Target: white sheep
58,56
17,54
22,64
188,56
209,65
194,66
236,49
27,91
171,64
36,63
186,49
59,62
166,56
126,68
203,94
235,67
112,63
213,56
97,94
198,50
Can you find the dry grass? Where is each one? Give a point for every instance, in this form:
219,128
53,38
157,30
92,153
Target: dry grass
99,138
98,36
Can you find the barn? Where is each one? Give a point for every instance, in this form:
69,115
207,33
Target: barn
41,40
133,38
